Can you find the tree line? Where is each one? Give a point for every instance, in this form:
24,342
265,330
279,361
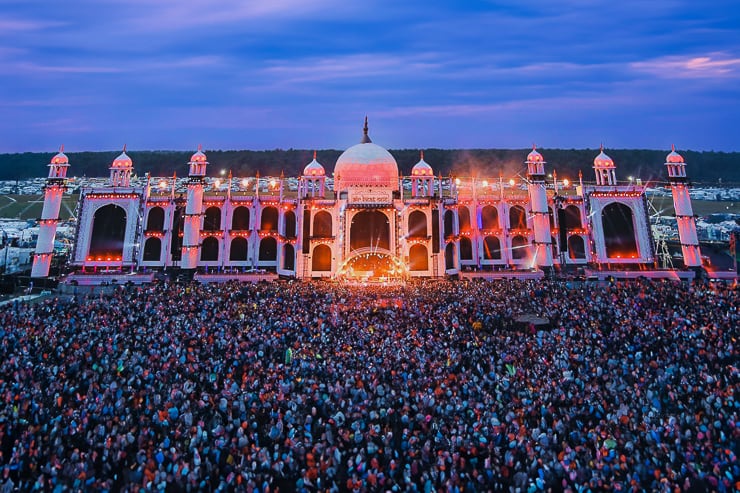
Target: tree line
705,167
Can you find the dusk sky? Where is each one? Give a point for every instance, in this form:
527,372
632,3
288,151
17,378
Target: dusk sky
240,74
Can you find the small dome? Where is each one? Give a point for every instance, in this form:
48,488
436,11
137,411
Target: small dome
603,161
314,168
674,157
199,156
122,161
534,156
60,158
422,168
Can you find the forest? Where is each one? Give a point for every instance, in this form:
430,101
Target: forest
703,168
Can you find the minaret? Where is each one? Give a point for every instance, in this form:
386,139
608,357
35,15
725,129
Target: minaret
120,170
193,210
313,180
538,198
604,169
422,178
684,212
53,191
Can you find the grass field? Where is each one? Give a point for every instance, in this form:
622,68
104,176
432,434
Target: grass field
29,206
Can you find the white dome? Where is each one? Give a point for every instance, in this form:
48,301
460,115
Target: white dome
122,161
314,168
365,165
674,157
60,157
422,168
535,157
603,161
199,156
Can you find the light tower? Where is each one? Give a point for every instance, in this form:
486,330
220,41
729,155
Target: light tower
193,210
538,198
422,178
684,213
120,170
604,168
53,191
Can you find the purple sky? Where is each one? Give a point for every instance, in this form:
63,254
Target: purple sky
264,74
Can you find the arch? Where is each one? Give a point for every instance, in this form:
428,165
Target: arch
489,217
572,216
289,224
491,248
212,219
466,248
209,250
519,247
268,249
152,250
238,249
517,217
322,225
576,247
463,218
108,232
321,259
619,231
449,222
288,257
370,229
269,221
240,219
178,222
450,256
417,224
418,258
155,219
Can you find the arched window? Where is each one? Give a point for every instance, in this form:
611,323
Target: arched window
447,227
209,250
155,219
240,219
288,257
322,225
290,224
321,258
489,218
212,219
152,250
517,217
269,220
268,249
466,248
491,248
417,224
576,248
238,251
108,231
463,215
519,247
370,229
619,231
450,256
572,217
418,258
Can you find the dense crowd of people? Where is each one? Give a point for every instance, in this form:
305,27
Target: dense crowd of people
430,386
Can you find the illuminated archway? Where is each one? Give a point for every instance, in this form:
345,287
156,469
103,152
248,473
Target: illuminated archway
619,231
269,221
417,224
418,258
489,217
517,217
370,229
289,224
108,232
572,217
268,249
519,247
372,264
288,257
212,219
491,248
322,225
321,259
463,218
152,250
576,248
209,250
466,248
238,251
447,227
155,219
450,256
240,219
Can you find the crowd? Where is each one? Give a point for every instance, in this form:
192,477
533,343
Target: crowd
430,386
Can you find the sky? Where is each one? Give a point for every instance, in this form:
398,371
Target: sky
269,74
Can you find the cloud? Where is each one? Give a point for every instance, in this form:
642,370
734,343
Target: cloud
714,65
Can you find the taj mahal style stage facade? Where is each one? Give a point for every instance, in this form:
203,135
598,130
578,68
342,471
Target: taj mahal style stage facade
371,224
